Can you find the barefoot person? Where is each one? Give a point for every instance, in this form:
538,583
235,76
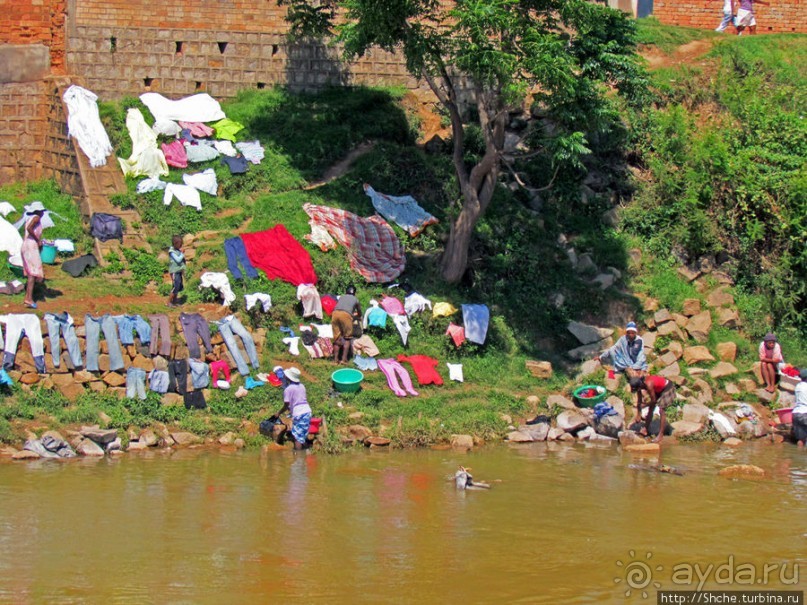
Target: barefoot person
344,313
660,392
176,269
30,251
295,400
745,16
770,360
800,410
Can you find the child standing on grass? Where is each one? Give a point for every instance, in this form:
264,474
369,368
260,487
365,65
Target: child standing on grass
176,269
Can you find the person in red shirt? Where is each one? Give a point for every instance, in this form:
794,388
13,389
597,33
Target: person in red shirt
660,392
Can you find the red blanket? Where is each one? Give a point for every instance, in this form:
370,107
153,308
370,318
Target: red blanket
279,255
425,368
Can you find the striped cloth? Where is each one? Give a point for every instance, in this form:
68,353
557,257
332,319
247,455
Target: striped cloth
373,248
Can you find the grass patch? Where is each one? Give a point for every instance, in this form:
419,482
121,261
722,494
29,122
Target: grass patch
651,32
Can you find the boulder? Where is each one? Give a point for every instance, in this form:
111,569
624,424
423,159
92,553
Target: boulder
691,306
733,442
184,438
142,362
612,384
30,378
727,351
697,354
675,348
554,433
97,387
571,421
720,298
728,318
538,432
239,443
702,387
618,405
721,369
683,428
588,351
610,426
732,389
114,445
359,432
662,316
539,369
670,371
604,280
88,447
587,368
114,379
561,402
70,391
585,264
587,334
628,437
643,448
680,320
667,359
25,455
586,433
170,399
695,413
99,435
649,340
136,446
149,438
377,441
746,385
532,400
462,442
745,471
699,326
671,329
519,437
688,274
566,437
765,396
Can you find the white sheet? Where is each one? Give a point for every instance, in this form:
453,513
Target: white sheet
196,108
146,158
203,181
187,196
11,242
84,124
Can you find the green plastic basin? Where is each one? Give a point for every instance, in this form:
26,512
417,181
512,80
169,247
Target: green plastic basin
347,380
590,402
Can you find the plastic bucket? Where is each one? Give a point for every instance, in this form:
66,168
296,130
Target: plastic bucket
785,415
48,254
347,380
589,402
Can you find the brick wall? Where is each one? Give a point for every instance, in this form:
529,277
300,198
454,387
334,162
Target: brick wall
35,22
23,123
783,16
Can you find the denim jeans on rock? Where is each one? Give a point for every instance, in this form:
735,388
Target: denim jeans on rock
92,328
128,324
63,323
231,327
136,382
235,251
200,374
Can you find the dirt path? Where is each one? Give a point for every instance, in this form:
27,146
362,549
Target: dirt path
687,53
343,165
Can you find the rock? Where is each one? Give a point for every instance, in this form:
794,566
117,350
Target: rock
649,339
99,435
691,306
643,448
227,438
732,389
170,399
765,396
538,432
680,320
699,326
519,437
610,426
585,264
728,318
667,359
662,316
720,298
561,402
604,280
97,387
88,447
748,471
618,405
31,378
671,329
359,432
70,391
571,421
554,433
670,371
566,437
589,351
733,442
462,442
756,370
688,274
650,305
183,438
628,437
7,451
540,369
683,428
612,384
588,367
239,443
721,369
586,433
114,379
24,455
695,413
533,401
676,348
114,445
704,389
697,354
149,438
746,385
373,441
586,333
136,446
142,362
726,351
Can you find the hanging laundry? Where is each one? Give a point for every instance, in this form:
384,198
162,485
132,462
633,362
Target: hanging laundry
229,328
151,184
195,327
329,303
258,297
77,266
237,165
160,335
175,155
372,246
84,124
128,325
476,318
402,210
200,153
455,372
167,128
425,368
219,282
392,305
136,383
416,303
457,334
227,129
11,242
17,326
280,256
251,150
6,208
158,381
187,196
393,370
374,316
197,129
226,148
220,367
203,181
365,345
195,108
200,373
366,364
93,327
312,304
146,159
402,325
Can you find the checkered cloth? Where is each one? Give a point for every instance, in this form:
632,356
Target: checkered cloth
373,248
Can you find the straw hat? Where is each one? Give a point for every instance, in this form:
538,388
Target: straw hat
293,374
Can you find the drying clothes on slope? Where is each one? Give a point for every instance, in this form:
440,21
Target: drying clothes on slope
455,372
219,282
17,325
457,334
329,303
160,335
93,326
237,165
320,237
402,325
77,266
197,129
367,364
229,328
236,253
11,242
151,184
294,344
203,181
146,159
373,248
309,296
415,303
393,370
402,210
84,124
225,148
167,128
195,327
195,108
324,330
64,245
175,155
63,323
374,316
128,325
251,150
187,196
392,305
476,319
226,129
280,256
425,368
200,153
258,297
6,208
365,345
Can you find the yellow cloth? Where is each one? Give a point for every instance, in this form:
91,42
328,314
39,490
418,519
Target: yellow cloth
443,309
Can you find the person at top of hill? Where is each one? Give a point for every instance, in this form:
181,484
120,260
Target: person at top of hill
745,16
728,15
770,361
660,392
627,355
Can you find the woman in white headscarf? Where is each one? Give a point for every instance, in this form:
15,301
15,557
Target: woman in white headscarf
30,251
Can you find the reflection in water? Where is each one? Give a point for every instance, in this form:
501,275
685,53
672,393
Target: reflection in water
371,527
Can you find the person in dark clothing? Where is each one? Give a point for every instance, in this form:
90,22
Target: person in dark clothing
176,268
346,311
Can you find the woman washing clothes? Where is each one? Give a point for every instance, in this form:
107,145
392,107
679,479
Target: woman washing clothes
30,251
346,311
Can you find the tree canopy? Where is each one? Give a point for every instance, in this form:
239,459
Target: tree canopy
566,55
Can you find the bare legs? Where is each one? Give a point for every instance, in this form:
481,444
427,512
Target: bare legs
769,376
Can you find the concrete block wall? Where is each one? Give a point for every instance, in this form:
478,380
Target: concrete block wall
783,16
23,122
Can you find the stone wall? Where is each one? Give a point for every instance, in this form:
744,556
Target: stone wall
783,16
23,123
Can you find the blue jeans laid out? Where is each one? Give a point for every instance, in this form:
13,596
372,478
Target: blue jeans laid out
93,327
195,327
235,251
127,324
136,382
200,374
63,323
231,327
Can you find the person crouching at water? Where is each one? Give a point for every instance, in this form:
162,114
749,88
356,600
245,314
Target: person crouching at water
627,355
660,392
800,410
295,400
344,313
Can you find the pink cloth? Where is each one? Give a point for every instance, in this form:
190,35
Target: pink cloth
394,370
457,334
219,366
197,129
31,258
775,356
392,305
175,154
279,255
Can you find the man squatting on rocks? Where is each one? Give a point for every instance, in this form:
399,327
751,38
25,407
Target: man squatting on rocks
627,355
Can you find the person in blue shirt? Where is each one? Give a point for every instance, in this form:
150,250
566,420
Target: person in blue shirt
176,269
627,355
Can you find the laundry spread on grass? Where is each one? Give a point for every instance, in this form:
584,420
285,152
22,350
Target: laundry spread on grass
280,256
146,158
404,211
373,248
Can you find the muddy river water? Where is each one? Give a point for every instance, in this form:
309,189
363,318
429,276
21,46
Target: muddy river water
562,524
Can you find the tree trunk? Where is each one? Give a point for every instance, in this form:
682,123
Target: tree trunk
455,255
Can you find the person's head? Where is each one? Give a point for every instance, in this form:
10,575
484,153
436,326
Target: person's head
293,374
351,289
770,340
631,332
803,374
636,383
176,242
35,208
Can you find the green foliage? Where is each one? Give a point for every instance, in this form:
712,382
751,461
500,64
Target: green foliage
144,266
